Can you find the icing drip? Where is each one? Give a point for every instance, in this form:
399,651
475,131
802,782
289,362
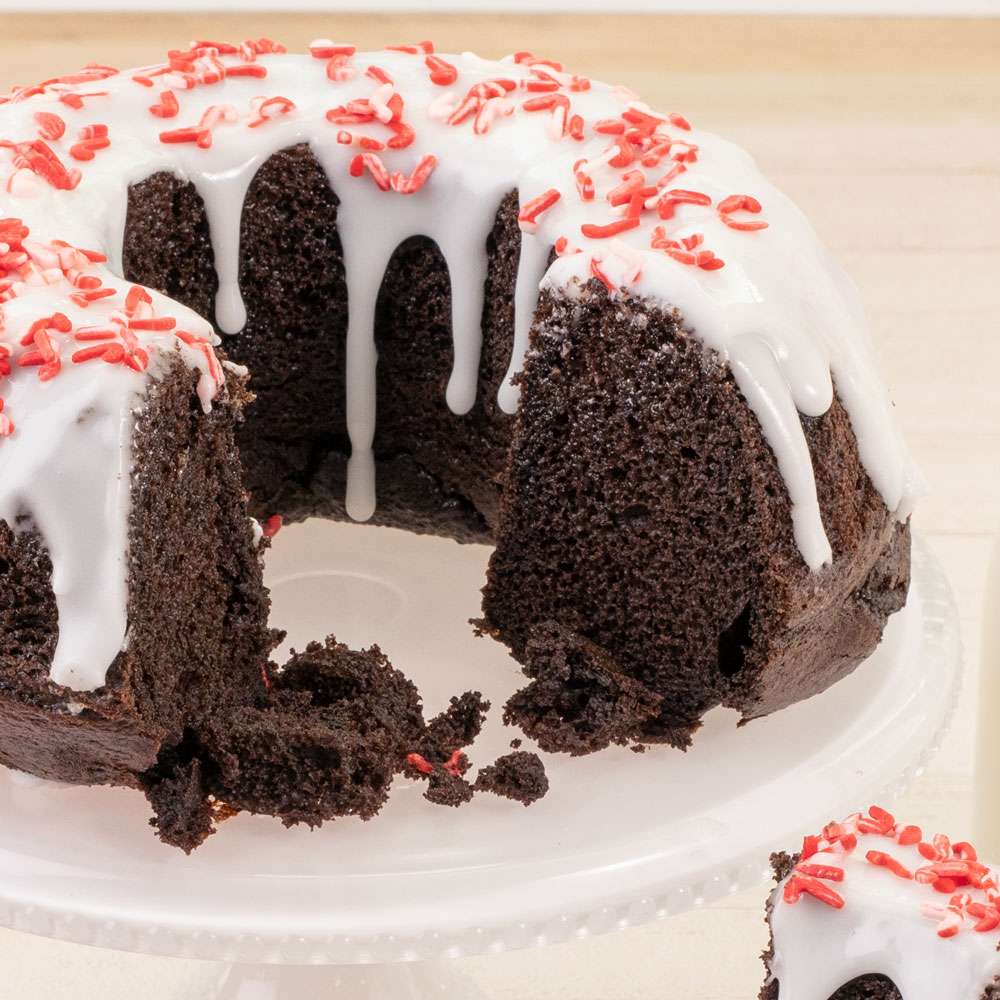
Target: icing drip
224,194
887,912
464,252
81,451
417,144
758,374
530,270
366,256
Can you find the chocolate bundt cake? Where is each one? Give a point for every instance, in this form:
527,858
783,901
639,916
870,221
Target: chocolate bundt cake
872,910
494,301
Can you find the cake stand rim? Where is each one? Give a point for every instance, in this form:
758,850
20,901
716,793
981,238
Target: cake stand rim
165,934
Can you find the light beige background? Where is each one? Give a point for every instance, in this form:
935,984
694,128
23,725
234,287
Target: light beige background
887,132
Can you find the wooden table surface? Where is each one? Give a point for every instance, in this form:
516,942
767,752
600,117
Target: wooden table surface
887,133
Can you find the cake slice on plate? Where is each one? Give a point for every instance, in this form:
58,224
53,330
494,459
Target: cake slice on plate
874,909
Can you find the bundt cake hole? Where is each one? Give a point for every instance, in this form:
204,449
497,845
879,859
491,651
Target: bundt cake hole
870,986
680,417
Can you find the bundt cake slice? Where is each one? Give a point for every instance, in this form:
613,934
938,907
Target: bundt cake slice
645,514
190,639
871,909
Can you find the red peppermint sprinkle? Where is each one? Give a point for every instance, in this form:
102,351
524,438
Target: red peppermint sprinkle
153,324
75,100
379,75
201,136
632,182
420,763
598,272
611,229
254,70
38,157
965,851
938,850
546,103
93,353
799,884
272,526
323,48
740,203
456,764
669,201
339,69
949,919
687,250
829,872
878,820
564,248
610,126
373,163
986,915
531,60
266,109
167,107
883,860
528,216
50,127
92,139
266,47
443,74
402,184
136,299
91,333
584,182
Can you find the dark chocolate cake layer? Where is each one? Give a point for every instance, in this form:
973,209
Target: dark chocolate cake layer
519,776
325,741
437,472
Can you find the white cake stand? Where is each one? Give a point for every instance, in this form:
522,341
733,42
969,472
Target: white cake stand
620,839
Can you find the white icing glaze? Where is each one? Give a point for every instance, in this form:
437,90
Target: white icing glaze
779,312
881,929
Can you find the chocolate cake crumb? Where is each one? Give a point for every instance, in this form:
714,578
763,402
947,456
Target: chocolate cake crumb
335,727
182,813
519,776
638,748
456,727
335,730
445,789
577,702
439,757
515,744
